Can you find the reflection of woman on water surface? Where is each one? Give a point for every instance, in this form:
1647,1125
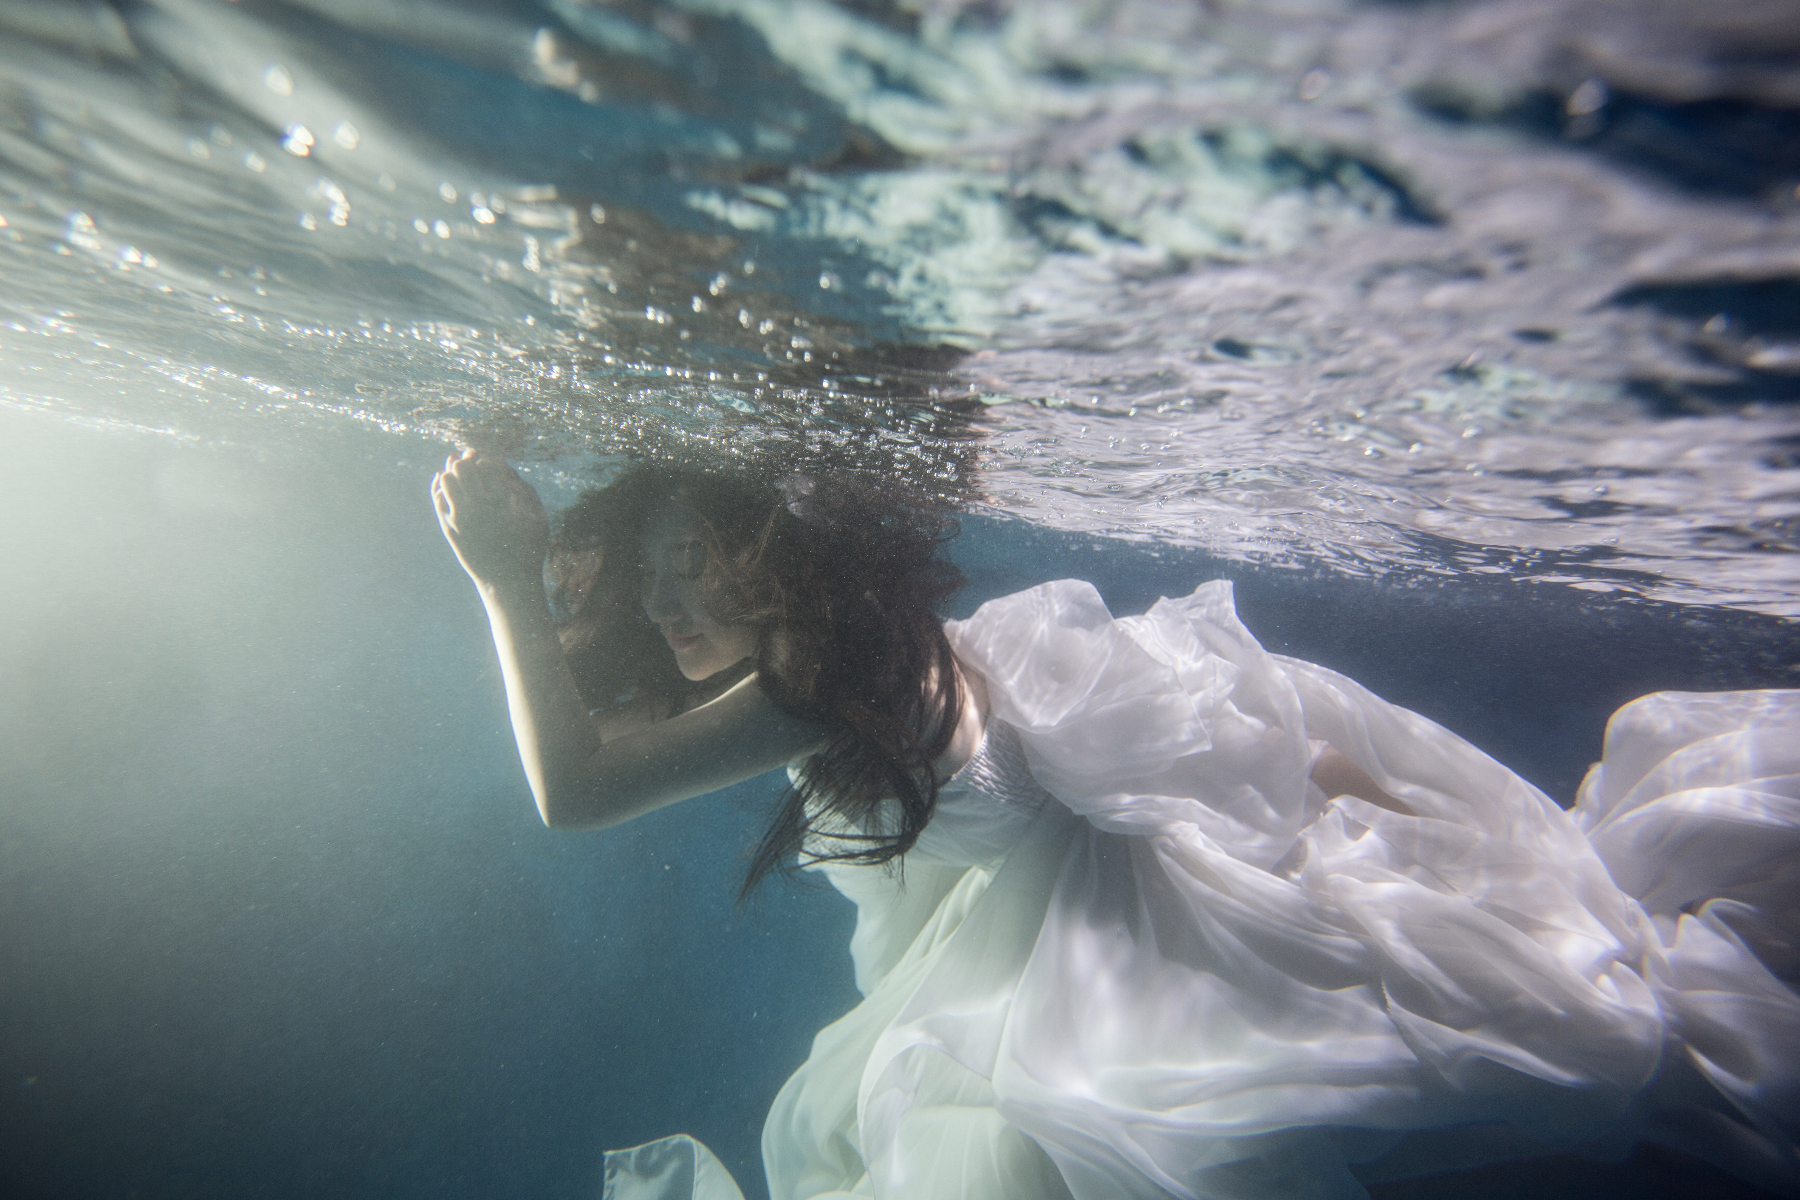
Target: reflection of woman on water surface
1177,916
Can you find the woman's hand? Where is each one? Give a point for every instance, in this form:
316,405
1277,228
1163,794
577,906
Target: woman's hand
493,520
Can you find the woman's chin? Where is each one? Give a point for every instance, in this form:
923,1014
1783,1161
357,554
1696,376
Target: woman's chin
697,668
705,668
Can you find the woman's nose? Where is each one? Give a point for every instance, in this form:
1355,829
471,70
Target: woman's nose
660,601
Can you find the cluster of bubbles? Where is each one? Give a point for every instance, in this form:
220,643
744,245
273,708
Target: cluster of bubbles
1431,291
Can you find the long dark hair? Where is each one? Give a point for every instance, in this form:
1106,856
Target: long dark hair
841,574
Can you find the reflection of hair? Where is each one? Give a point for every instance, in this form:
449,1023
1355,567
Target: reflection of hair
840,576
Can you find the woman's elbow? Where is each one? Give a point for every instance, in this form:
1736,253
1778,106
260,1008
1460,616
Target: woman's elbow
573,806
555,816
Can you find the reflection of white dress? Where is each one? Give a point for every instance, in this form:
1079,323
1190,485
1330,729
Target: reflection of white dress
1138,953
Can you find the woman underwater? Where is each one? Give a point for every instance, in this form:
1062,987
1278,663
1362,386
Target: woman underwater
1142,909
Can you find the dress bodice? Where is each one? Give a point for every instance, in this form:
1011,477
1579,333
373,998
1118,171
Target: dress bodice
984,807
981,810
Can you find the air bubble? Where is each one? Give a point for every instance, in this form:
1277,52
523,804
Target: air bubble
298,141
1587,99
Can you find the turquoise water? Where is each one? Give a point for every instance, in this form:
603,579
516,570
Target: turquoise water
1471,356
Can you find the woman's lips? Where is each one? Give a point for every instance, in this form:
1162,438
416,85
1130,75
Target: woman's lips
680,641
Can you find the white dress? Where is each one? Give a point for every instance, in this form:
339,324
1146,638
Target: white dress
1138,953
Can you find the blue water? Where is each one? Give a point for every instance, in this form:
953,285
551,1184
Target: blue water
1482,395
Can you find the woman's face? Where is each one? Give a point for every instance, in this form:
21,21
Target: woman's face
674,556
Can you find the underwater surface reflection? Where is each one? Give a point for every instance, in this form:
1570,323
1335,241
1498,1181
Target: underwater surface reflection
1433,291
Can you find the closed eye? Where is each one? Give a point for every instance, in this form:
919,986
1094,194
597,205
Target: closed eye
686,561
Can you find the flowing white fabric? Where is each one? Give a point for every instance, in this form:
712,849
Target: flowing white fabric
671,1166
1191,973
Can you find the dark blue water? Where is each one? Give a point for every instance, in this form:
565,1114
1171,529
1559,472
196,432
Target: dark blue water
1482,396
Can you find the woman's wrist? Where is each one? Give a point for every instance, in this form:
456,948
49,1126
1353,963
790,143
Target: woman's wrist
513,588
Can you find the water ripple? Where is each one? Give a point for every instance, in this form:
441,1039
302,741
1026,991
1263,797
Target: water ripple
1426,292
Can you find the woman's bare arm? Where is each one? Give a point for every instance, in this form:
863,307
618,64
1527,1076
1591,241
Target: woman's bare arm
498,528
1336,775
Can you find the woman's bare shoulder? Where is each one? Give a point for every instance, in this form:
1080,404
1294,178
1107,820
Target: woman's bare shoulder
971,727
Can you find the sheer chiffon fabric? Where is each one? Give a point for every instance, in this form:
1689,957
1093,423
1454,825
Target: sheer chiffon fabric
1138,953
